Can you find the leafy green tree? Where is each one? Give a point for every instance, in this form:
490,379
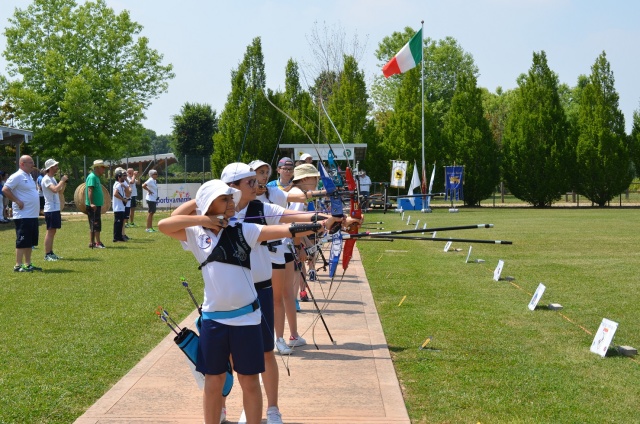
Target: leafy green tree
535,157
85,76
570,97
496,110
193,131
248,128
470,143
604,164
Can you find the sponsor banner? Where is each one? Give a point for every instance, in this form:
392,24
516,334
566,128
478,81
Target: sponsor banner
173,195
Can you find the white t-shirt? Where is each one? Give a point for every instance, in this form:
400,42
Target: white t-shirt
24,188
279,198
152,185
134,188
260,255
125,185
51,199
365,183
118,205
226,287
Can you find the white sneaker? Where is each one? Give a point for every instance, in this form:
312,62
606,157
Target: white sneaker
297,341
223,415
282,347
273,415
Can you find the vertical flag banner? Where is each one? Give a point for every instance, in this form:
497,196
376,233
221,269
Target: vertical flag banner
407,58
398,173
415,183
453,182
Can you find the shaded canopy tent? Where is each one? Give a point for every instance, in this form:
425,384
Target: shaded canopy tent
14,137
143,164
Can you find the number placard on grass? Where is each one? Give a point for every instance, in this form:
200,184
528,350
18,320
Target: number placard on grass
536,297
468,255
447,246
604,337
498,270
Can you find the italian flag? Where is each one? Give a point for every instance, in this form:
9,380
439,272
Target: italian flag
407,58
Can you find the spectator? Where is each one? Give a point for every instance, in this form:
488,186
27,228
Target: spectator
130,212
365,186
4,217
51,190
306,158
94,199
39,187
21,190
127,196
119,201
151,187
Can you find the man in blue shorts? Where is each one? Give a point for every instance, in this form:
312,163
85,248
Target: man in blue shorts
20,188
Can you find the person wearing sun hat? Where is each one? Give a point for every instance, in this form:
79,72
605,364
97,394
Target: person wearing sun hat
306,158
94,199
232,316
52,189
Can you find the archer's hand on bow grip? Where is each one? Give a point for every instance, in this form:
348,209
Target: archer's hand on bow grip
303,228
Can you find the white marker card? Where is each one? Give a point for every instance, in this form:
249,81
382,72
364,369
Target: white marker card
604,337
536,297
447,246
434,234
408,219
417,223
403,216
498,270
468,255
424,227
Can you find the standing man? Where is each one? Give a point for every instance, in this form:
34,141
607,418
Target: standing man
94,199
306,158
151,187
132,179
21,190
51,189
365,186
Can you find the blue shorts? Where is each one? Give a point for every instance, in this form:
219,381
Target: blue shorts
265,296
53,219
219,341
26,232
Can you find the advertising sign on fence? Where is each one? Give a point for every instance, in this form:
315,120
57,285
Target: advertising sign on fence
173,195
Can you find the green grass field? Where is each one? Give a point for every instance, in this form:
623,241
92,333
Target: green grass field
72,331
491,359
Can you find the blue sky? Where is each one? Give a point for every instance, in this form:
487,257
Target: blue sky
206,39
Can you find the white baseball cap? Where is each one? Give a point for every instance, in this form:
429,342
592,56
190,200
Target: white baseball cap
236,171
305,156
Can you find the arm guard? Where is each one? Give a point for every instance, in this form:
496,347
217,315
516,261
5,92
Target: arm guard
301,228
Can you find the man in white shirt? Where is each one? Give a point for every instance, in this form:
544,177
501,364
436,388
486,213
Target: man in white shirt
151,187
51,190
365,186
130,212
20,188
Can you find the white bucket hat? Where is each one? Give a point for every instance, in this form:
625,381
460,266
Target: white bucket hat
49,163
236,171
210,191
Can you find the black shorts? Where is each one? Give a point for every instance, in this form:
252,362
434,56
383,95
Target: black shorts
265,296
42,203
288,257
152,207
95,219
127,209
26,233
53,219
278,266
219,341
134,202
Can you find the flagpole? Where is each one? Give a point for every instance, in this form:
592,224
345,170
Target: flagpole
425,208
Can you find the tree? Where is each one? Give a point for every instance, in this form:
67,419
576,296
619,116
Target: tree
85,76
604,164
247,125
193,131
470,142
535,157
634,142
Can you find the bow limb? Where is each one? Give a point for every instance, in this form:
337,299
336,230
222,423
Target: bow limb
356,213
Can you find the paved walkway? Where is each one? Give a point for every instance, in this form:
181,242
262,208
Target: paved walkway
350,382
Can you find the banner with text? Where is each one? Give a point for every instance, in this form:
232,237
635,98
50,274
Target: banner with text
173,195
453,182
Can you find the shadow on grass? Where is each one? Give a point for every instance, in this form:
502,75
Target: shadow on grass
59,271
82,259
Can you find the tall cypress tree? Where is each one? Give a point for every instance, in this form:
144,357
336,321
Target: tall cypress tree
470,142
246,128
535,156
604,165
